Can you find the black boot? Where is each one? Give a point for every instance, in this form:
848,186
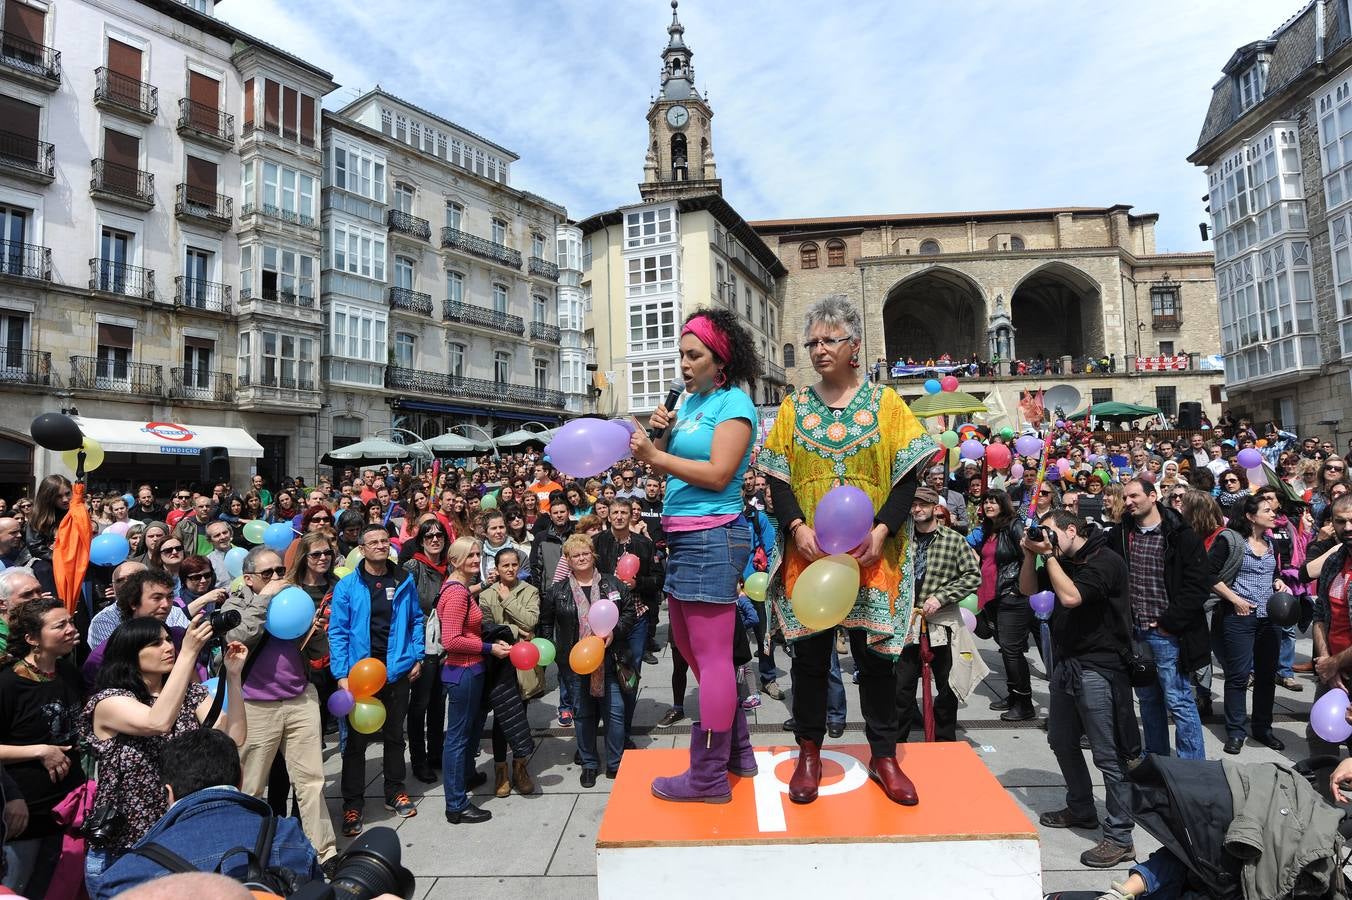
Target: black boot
1020,707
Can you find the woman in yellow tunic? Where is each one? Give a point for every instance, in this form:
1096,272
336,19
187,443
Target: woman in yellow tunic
846,430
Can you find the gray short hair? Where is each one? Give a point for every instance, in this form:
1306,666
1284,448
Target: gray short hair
253,556
835,310
7,578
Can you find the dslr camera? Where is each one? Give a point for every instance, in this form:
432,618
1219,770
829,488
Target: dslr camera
222,621
371,866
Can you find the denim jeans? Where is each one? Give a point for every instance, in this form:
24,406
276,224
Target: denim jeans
638,645
1286,657
464,727
1081,701
566,692
1170,695
836,711
1252,645
589,712
1164,875
764,657
97,861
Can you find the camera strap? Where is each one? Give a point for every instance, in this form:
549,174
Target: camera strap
218,701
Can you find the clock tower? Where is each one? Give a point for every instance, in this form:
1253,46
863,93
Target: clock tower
680,157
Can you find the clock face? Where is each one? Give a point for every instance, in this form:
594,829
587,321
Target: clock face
677,116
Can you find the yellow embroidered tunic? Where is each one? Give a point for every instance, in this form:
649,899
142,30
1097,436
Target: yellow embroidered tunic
871,444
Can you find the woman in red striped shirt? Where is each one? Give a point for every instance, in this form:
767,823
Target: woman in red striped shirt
462,672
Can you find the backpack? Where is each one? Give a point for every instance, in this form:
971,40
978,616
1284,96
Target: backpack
258,874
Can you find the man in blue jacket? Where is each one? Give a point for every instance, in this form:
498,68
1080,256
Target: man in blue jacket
375,613
208,817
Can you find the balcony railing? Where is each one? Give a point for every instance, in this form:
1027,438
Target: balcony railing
27,157
25,261
195,384
113,277
123,182
499,392
95,373
455,239
205,121
404,223
27,58
544,268
215,209
410,301
483,318
273,212
208,296
774,372
290,298
543,331
136,97
401,379
26,367
1166,323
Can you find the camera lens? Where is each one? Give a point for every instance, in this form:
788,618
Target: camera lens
223,620
371,867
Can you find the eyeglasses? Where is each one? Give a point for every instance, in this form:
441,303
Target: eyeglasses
275,572
319,554
176,549
828,343
1229,481
384,543
198,575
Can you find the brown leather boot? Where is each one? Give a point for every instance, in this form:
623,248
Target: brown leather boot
807,773
521,779
503,784
893,781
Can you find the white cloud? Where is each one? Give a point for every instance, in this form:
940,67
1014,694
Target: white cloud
869,106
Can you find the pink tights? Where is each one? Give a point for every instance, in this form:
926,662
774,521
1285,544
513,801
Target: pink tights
703,634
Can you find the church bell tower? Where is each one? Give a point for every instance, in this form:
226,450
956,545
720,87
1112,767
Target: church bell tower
680,157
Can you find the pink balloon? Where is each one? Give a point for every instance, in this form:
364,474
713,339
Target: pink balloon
1328,717
1063,466
968,620
117,528
1016,470
948,383
603,617
843,519
998,456
626,567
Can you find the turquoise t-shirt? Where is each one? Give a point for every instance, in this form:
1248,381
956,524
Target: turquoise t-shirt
692,437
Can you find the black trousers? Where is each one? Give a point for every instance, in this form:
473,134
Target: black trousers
877,689
395,698
909,672
1014,623
427,716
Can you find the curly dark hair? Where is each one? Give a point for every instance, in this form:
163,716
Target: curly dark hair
745,365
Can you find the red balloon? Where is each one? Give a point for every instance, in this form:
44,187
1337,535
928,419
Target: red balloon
998,456
524,655
626,567
948,383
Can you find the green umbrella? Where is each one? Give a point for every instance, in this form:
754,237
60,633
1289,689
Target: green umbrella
1274,480
946,403
375,450
1111,409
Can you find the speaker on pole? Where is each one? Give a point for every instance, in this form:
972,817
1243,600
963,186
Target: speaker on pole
1190,415
215,463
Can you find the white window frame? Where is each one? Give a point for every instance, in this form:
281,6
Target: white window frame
649,227
653,274
652,325
648,380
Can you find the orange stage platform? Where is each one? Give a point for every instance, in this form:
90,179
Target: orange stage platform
966,838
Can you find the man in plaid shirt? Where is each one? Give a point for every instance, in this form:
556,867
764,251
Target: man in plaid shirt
946,570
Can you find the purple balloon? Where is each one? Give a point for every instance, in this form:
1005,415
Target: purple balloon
1053,473
1042,603
1028,445
1328,717
117,528
585,447
843,519
341,702
1016,471
968,620
1250,458
972,449
603,617
1060,423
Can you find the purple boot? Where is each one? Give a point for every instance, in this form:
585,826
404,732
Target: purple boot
743,758
706,781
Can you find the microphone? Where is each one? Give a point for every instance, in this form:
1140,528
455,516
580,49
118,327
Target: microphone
674,391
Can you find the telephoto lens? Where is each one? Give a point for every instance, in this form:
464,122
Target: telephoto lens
223,620
370,866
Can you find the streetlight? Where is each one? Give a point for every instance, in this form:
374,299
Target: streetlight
393,429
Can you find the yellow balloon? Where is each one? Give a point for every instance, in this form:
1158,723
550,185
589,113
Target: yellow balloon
93,455
756,585
238,583
367,715
354,558
826,591
342,571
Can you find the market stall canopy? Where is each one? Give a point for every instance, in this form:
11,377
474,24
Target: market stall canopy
375,450
172,438
1111,409
522,436
457,444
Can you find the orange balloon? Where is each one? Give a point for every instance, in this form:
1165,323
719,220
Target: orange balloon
586,655
366,678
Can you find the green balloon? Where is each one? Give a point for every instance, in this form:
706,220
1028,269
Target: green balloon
489,501
253,530
969,603
1006,432
546,650
949,439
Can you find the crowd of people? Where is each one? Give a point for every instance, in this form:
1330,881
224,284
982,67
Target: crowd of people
1150,547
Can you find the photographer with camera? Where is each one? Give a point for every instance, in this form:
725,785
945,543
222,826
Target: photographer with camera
280,701
145,695
1089,687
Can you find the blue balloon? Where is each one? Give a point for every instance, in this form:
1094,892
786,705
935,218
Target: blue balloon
213,685
109,550
932,386
234,561
279,536
129,500
290,614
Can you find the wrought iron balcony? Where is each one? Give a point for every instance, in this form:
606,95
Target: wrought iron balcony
26,367
1166,323
500,392
418,381
125,95
404,223
208,296
207,207
410,301
290,298
774,372
32,62
123,184
111,277
543,331
483,318
94,373
195,384
464,242
205,122
25,261
273,212
27,157
544,268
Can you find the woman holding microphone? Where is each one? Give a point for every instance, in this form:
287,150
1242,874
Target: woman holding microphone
703,450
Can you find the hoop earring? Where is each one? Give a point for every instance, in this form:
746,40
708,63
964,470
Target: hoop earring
854,361
721,379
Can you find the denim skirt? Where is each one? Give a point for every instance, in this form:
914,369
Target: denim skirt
704,566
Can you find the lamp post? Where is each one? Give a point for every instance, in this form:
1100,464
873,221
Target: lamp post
395,430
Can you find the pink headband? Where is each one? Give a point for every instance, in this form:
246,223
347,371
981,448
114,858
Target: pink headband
711,335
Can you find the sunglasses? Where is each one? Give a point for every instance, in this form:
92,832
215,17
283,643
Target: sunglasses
1334,469
200,575
176,549
321,519
1229,481
274,572
182,497
434,537
319,554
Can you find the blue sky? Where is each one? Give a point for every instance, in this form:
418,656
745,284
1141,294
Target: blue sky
861,107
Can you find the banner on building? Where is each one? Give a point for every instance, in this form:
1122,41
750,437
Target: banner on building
1161,363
